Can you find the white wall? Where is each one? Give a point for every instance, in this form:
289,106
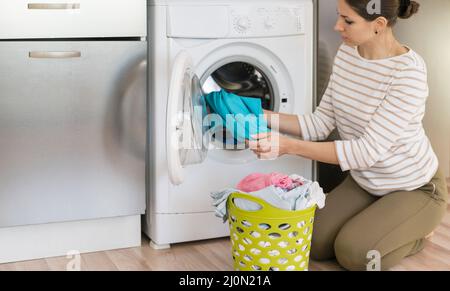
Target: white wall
428,33
328,43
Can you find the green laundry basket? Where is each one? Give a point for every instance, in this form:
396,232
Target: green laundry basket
269,239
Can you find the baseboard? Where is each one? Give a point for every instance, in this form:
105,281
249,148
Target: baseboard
168,229
57,239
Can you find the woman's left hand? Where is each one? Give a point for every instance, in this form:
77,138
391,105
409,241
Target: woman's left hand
269,146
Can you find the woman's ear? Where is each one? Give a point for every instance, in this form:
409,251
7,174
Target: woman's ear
380,24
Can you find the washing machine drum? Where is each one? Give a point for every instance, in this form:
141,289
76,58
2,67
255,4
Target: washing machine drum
238,74
245,80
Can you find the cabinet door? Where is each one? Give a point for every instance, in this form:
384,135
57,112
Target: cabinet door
74,18
72,130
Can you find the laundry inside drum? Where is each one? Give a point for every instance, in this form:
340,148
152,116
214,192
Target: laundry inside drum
245,80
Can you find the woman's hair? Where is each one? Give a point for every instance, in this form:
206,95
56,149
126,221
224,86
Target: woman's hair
390,9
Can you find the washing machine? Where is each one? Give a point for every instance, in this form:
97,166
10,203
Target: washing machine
259,49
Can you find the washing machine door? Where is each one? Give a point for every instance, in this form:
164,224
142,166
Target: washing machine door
186,138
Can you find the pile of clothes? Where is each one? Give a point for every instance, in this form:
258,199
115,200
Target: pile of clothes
291,192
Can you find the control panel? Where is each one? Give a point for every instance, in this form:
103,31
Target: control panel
266,21
236,21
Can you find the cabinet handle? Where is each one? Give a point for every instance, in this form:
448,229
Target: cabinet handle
59,6
54,55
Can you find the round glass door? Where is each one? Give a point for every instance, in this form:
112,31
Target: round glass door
193,140
184,120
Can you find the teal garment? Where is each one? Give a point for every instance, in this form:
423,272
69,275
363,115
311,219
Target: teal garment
242,116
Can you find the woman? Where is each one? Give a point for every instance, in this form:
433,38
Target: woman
395,195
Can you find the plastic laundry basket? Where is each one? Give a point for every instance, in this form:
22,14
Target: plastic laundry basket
269,239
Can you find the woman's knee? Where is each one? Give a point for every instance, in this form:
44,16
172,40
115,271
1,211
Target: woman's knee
351,252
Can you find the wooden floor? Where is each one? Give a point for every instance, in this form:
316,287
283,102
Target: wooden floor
214,255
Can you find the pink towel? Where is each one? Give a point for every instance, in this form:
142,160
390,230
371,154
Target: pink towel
257,181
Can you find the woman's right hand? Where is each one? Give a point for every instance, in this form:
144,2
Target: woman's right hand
269,146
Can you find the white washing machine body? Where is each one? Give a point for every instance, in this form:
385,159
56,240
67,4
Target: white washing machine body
192,39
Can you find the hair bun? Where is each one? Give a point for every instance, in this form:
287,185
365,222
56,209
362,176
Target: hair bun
409,11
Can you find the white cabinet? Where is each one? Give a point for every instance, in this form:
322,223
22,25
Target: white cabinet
24,19
72,130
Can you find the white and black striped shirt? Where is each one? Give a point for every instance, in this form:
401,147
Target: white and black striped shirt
378,107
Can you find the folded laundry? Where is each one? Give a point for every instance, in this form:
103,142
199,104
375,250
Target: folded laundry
305,195
242,116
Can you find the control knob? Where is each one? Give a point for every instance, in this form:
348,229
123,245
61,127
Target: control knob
243,24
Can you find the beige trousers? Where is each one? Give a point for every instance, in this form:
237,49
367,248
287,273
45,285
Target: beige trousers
355,223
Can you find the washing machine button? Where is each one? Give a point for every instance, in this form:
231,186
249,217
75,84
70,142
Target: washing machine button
269,23
243,24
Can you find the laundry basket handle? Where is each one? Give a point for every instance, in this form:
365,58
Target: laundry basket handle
268,209
264,205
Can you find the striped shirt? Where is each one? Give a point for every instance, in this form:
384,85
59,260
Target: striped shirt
378,107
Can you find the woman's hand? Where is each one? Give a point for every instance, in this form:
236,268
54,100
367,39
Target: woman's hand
269,146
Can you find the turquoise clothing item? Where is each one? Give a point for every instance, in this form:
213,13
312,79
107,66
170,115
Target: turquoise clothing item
243,117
